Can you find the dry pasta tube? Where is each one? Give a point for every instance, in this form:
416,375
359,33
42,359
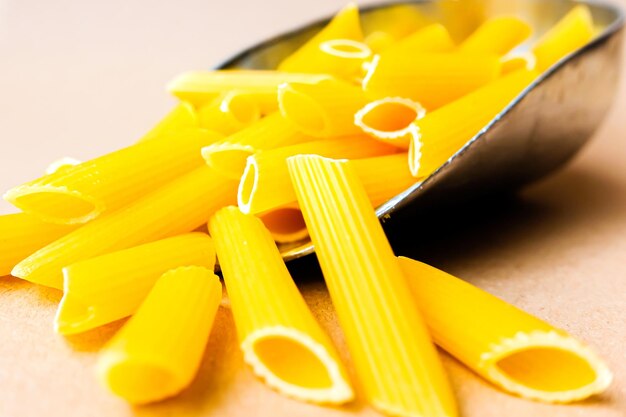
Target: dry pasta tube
516,62
83,192
390,120
21,235
324,109
266,177
345,25
395,360
343,58
181,117
178,207
430,39
446,130
229,113
109,287
280,338
158,352
229,155
430,79
399,20
497,36
61,164
202,87
512,349
285,224
573,31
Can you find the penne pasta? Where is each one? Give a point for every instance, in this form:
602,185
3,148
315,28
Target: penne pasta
22,234
285,224
202,87
279,337
430,79
265,184
228,156
430,39
178,207
379,41
109,287
390,120
229,113
345,25
181,117
395,360
158,352
573,31
83,192
61,164
512,349
497,35
399,20
446,130
515,63
383,177
343,58
324,109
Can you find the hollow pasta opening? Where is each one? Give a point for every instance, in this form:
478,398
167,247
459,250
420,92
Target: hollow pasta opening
302,110
295,365
391,114
228,159
242,107
346,48
247,187
547,369
140,383
73,316
55,204
546,366
285,224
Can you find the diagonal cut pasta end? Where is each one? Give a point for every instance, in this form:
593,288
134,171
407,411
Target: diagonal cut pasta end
303,110
295,365
228,159
390,120
55,204
545,366
285,224
248,186
73,316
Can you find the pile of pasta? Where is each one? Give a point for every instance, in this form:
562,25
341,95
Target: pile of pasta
344,123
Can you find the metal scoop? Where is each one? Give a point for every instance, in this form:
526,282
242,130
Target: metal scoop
536,133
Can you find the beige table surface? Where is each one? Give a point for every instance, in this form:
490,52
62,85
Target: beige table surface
79,78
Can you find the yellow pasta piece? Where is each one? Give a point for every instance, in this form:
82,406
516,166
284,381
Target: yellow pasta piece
463,17
379,41
430,79
512,349
158,352
573,31
399,20
202,87
178,207
383,177
345,25
109,287
228,156
497,35
395,360
265,183
343,58
390,120
446,130
279,337
515,63
83,192
61,164
430,39
285,224
22,234
181,117
324,109
229,113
